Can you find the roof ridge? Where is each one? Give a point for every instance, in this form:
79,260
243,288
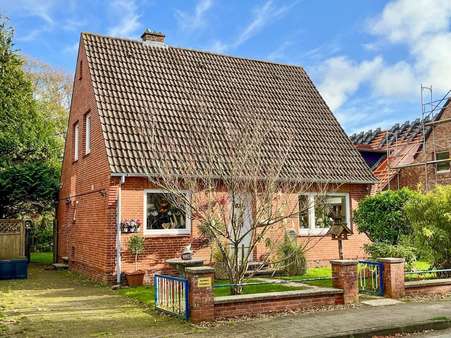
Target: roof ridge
198,51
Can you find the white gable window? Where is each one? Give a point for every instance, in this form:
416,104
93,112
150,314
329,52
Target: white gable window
87,133
317,212
76,140
166,214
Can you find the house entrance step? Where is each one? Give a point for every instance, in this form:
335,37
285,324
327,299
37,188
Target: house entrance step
60,266
381,302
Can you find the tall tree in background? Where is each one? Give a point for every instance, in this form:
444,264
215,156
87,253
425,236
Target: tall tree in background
34,101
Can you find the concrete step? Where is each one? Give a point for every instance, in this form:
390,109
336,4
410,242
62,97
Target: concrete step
60,266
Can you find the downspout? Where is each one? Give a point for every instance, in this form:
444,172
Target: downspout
118,231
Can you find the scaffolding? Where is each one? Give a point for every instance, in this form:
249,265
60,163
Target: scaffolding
429,112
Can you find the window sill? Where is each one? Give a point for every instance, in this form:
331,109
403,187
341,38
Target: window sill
441,172
167,234
313,232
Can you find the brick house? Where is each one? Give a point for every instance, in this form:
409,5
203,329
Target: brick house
418,151
123,88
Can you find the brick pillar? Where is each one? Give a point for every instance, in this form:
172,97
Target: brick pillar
344,274
201,299
393,277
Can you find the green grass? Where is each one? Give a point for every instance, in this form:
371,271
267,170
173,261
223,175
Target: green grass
143,294
251,289
42,257
314,273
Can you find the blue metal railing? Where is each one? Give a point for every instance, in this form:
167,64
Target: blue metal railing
172,295
427,274
371,277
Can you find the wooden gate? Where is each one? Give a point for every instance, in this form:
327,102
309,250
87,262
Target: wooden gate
12,238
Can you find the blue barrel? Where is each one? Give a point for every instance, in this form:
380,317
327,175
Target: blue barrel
14,268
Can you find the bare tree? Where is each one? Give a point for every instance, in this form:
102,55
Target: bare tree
241,197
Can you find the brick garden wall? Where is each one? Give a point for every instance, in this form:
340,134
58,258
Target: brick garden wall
428,287
283,301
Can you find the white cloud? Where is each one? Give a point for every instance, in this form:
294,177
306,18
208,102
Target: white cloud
196,20
41,9
128,24
423,28
342,77
262,16
395,80
404,20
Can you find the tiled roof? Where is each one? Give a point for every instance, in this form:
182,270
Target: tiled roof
155,100
407,132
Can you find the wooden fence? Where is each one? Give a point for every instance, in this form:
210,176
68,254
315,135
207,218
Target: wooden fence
12,238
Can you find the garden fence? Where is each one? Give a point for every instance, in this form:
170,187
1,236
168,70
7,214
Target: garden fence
12,238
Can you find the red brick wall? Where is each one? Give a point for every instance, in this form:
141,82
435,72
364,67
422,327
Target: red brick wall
422,290
415,177
84,234
279,304
160,248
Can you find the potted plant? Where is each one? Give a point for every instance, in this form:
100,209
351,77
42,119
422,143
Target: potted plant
136,247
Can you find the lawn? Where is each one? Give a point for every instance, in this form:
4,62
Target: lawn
250,289
145,294
42,257
323,272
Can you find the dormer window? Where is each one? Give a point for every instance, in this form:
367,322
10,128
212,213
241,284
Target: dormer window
87,133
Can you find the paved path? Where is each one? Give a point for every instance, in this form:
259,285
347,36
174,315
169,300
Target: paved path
331,323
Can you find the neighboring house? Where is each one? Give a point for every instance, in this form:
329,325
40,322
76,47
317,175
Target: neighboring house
414,154
124,89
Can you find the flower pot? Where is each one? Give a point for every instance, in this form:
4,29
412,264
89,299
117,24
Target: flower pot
135,278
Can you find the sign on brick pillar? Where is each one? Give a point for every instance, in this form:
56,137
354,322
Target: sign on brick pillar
344,274
393,277
201,299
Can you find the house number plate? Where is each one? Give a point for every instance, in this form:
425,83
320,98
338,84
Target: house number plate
204,282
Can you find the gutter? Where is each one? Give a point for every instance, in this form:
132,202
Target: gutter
118,231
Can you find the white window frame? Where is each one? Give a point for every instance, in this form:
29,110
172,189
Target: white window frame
312,230
87,133
76,140
160,232
449,164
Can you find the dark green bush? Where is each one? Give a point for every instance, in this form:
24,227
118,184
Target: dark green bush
430,215
382,218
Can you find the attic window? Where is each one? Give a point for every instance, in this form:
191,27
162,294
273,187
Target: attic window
87,133
80,70
76,140
442,167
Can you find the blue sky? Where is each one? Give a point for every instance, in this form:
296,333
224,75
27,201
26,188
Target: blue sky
367,58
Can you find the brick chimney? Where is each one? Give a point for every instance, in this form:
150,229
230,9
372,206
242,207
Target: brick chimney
152,36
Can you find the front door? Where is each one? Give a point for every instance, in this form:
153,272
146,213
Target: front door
242,213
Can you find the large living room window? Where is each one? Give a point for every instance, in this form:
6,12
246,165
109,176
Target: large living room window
317,212
163,214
